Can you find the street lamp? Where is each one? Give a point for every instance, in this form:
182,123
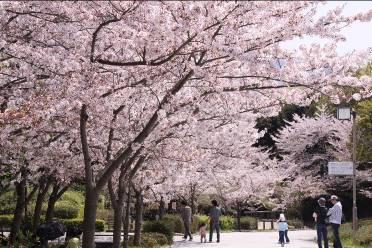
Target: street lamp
345,113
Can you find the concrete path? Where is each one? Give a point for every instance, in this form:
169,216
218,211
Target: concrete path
299,239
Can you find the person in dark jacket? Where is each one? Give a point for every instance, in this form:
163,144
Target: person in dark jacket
321,218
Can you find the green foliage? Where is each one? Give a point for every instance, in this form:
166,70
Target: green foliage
7,202
101,202
364,147
365,71
227,223
247,223
295,223
74,197
150,240
164,227
25,239
66,210
6,220
176,221
100,224
363,237
199,219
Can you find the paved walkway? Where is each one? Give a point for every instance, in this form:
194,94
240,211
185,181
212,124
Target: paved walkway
299,239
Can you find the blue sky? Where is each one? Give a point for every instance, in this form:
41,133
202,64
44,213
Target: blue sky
358,36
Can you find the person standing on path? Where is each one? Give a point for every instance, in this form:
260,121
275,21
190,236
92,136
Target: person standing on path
282,217
335,217
320,215
186,215
214,216
283,227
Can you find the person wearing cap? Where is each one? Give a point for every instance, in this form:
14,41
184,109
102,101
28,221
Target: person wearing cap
335,217
320,216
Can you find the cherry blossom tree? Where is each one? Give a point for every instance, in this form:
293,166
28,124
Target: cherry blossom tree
120,73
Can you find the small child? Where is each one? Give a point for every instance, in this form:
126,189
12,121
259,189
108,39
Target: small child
283,227
203,232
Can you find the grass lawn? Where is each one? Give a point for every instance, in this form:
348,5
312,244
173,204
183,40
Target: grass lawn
363,237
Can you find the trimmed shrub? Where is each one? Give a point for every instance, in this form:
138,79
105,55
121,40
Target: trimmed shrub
163,227
295,223
74,197
100,224
247,223
6,220
227,223
66,210
174,220
178,223
150,240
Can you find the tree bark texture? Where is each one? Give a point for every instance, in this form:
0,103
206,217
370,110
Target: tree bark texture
126,219
43,190
138,221
89,223
19,209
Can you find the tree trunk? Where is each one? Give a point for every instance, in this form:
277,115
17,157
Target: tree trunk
89,223
50,210
126,220
18,212
238,217
193,199
118,215
43,190
161,208
138,223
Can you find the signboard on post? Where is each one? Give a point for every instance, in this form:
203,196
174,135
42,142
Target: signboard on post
344,168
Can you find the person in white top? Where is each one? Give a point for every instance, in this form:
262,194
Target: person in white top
335,217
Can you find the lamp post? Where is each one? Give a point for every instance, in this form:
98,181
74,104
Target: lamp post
346,113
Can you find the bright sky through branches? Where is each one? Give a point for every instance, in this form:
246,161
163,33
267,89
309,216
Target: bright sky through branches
357,35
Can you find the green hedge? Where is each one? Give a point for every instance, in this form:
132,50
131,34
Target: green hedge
227,223
74,197
100,224
176,221
163,227
6,220
66,210
296,223
247,223
150,240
